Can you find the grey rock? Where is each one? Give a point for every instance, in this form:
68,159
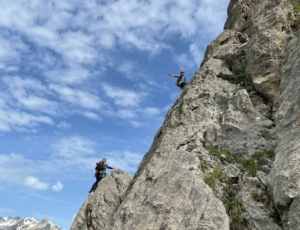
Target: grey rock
244,130
261,104
170,196
269,28
262,177
210,135
98,209
294,214
232,171
229,47
238,15
284,179
80,221
257,214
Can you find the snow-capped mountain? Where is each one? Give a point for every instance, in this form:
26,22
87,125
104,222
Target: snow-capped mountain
29,223
8,221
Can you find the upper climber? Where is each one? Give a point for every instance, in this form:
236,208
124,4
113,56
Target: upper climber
100,172
181,81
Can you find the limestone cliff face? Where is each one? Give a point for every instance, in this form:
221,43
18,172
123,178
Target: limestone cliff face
284,178
227,153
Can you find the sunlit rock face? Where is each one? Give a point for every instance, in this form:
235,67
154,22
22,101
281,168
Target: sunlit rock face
227,153
284,178
97,210
268,25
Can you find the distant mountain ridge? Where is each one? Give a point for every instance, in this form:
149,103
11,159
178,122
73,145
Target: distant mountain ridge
28,223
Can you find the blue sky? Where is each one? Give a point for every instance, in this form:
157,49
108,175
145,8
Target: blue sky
82,80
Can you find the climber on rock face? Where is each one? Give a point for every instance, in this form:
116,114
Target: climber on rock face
100,172
181,81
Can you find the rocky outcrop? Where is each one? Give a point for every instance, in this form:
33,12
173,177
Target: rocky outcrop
284,178
80,221
170,195
268,24
210,165
98,209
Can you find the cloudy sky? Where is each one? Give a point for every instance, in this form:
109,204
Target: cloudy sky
82,80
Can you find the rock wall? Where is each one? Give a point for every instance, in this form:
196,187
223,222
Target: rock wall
268,24
226,155
284,178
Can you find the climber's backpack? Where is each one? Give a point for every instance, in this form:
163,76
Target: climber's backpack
100,166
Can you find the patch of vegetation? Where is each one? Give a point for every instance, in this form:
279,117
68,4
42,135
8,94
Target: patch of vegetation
234,92
296,9
214,151
218,173
267,200
189,149
219,121
261,197
233,206
212,180
234,209
256,161
296,5
250,166
202,163
237,80
231,189
276,217
261,156
248,88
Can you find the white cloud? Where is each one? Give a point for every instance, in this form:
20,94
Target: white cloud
12,48
123,97
64,125
69,52
136,124
92,116
71,75
12,167
196,53
77,97
29,94
152,112
75,152
58,186
15,119
184,61
73,148
16,83
35,183
127,114
77,28
126,68
126,160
